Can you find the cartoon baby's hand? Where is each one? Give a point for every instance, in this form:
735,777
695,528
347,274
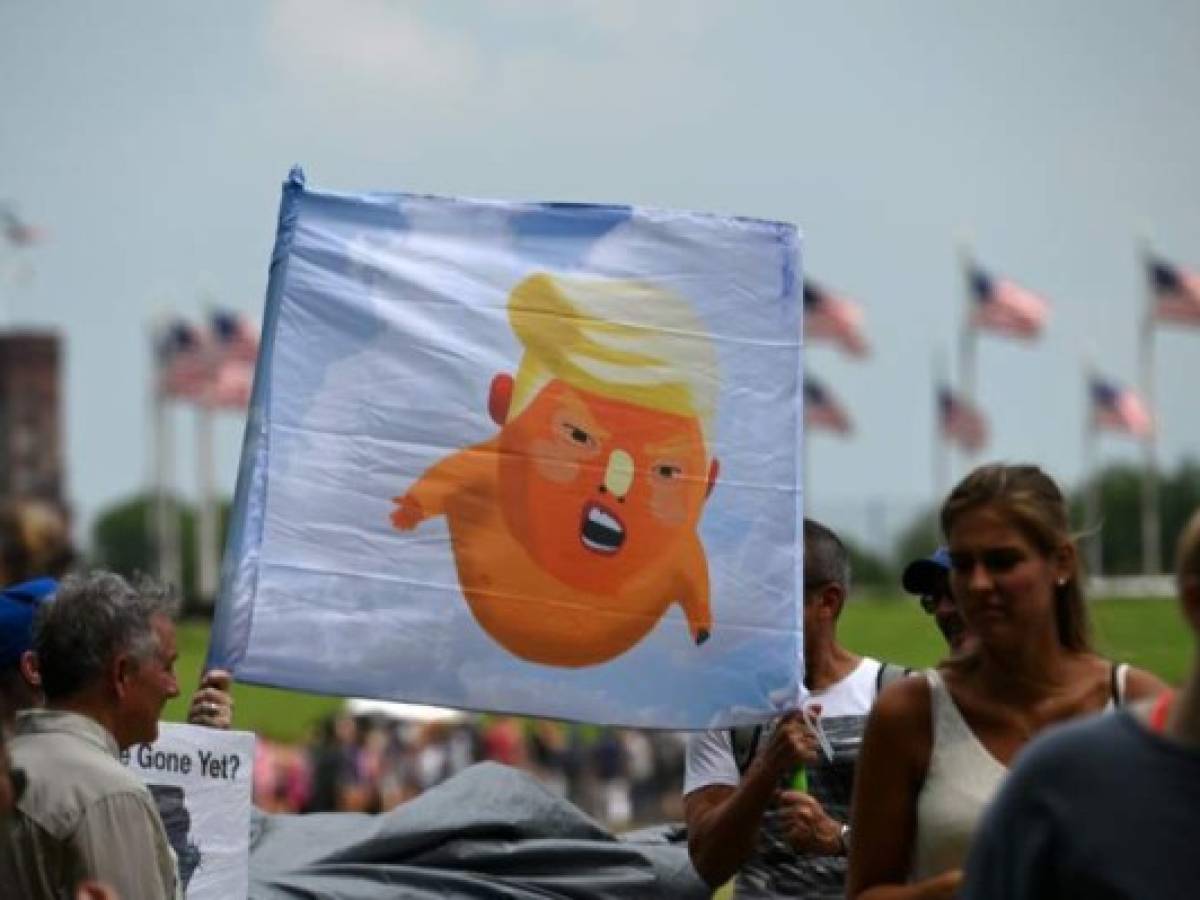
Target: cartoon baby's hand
407,513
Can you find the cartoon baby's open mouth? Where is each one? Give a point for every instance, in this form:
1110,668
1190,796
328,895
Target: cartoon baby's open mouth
602,532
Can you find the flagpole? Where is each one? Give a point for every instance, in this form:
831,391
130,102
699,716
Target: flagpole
1151,537
165,518
156,521
941,453
206,525
1093,525
168,537
967,343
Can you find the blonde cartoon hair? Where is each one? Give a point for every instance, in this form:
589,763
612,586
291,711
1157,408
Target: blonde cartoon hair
624,339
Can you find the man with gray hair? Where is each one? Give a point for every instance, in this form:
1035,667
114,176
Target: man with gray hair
106,655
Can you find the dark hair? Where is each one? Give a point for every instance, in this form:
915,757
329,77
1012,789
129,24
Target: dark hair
93,618
1035,506
825,557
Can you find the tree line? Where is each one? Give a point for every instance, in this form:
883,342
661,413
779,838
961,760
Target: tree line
122,538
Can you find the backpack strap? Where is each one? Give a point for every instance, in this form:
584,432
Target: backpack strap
744,744
889,672
1116,683
744,741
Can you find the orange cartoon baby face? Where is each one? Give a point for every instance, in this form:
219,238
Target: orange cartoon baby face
597,489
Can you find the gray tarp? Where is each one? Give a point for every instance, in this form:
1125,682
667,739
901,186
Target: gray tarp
491,831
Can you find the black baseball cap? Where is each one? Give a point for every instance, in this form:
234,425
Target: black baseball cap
923,576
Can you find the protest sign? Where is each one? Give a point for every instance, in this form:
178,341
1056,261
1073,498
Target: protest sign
534,458
201,782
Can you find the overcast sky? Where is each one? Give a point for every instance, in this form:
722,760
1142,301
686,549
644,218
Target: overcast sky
150,140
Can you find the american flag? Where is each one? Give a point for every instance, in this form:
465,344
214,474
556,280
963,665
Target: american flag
821,410
1176,293
235,336
1119,409
959,422
1004,307
830,317
235,349
230,386
17,231
184,361
212,367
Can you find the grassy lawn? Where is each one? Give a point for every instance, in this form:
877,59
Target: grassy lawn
1147,633
279,715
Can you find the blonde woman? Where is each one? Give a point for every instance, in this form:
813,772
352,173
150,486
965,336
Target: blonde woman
937,748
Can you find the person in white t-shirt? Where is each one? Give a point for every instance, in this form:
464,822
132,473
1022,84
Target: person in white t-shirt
743,814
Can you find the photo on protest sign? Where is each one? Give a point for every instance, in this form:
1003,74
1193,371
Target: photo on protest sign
200,779
534,458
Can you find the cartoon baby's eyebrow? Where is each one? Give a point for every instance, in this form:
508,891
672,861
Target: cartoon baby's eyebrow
575,413
672,447
584,422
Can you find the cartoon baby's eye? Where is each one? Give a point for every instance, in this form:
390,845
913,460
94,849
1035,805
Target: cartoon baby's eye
577,435
667,470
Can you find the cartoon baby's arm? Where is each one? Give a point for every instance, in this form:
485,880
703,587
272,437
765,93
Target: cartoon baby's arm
428,495
693,589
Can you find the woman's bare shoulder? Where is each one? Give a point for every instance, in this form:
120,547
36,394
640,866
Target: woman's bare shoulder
903,706
900,726
1142,685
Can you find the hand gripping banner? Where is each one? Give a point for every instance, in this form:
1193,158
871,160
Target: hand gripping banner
532,458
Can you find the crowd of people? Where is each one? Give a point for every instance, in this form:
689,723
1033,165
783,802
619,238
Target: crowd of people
907,792
372,763
1024,765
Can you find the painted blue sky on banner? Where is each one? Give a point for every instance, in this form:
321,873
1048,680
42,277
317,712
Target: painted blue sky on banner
388,320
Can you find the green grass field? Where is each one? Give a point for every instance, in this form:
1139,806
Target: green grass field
1147,633
280,715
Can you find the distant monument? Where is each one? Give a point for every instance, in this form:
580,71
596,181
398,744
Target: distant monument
31,452
34,518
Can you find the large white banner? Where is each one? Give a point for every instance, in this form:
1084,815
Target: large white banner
525,457
201,782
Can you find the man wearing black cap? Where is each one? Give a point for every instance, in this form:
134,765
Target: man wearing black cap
929,579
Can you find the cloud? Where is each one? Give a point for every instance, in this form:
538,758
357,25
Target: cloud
620,21
574,69
371,44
